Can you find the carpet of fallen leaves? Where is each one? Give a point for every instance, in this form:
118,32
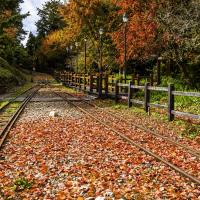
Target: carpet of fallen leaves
161,147
80,159
171,129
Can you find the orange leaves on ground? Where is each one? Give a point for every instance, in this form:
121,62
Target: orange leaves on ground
44,169
84,161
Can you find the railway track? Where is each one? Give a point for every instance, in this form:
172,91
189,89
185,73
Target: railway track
11,106
11,112
141,139
15,98
192,151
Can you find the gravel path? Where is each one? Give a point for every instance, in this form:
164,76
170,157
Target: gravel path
41,110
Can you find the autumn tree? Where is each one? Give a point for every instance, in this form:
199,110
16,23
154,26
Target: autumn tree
155,28
83,20
142,27
11,31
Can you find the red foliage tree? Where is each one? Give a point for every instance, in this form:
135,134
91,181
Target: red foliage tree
142,29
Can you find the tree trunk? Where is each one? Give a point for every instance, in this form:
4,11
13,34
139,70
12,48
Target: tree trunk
185,72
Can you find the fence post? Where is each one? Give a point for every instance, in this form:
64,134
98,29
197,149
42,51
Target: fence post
121,81
91,83
75,80
100,85
97,82
113,83
138,79
66,78
146,97
151,79
106,85
72,82
84,82
87,79
170,102
62,77
70,79
80,78
116,91
130,94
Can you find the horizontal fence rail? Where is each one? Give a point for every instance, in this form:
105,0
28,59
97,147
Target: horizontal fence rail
105,85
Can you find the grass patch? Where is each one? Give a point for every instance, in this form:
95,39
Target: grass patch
18,91
11,76
3,103
182,103
182,128
22,184
13,107
69,90
191,131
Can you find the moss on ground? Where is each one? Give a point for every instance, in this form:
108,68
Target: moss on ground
11,76
3,103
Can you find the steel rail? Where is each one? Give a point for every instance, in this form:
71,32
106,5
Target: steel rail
4,133
147,151
155,133
13,99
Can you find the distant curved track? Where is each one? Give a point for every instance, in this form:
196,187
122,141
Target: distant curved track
13,99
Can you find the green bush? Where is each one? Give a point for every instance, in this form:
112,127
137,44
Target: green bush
179,84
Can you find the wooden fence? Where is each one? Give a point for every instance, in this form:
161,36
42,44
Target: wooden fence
105,85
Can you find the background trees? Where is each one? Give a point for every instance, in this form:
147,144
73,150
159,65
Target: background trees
11,32
12,52
179,23
82,20
50,18
155,28
142,29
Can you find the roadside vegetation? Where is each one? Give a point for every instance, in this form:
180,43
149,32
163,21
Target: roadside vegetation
13,55
157,118
11,76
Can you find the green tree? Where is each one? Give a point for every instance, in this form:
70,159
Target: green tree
50,18
179,23
31,44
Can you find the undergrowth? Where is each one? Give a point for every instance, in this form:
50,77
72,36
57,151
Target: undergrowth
181,127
